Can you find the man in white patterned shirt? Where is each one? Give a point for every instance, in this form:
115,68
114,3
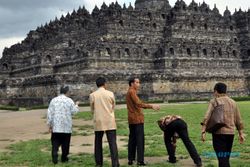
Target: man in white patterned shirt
59,120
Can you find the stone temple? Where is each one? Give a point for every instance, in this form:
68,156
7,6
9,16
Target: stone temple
178,52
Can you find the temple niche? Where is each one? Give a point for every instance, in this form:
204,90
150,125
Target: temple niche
178,52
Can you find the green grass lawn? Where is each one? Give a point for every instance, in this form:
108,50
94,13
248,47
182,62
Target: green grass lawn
37,152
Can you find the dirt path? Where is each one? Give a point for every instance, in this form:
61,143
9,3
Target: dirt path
28,125
21,126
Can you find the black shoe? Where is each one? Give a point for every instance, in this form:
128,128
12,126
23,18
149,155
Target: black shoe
141,164
55,162
172,161
54,158
98,165
199,165
65,160
130,162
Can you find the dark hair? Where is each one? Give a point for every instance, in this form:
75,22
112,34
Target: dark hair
100,81
220,88
131,80
64,89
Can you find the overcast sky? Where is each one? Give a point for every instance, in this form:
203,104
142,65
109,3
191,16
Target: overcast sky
18,17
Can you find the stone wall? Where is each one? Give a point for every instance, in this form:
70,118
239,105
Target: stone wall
156,88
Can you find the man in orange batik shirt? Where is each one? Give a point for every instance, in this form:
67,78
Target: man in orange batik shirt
136,122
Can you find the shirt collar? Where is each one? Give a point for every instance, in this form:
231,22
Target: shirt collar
131,88
221,95
101,88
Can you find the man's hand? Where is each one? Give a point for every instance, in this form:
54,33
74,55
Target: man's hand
203,133
241,137
77,103
156,107
203,136
50,129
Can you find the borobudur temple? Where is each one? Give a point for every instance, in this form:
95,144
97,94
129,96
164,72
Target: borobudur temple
178,52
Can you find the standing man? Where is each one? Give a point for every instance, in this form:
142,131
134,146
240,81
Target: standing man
223,138
102,103
59,120
136,122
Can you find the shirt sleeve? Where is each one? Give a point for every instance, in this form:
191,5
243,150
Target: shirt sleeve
50,114
138,102
113,101
91,102
238,120
208,114
73,108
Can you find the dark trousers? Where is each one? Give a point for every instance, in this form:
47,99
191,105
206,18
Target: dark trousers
111,137
180,127
222,146
57,140
136,142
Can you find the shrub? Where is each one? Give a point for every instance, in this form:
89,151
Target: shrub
12,108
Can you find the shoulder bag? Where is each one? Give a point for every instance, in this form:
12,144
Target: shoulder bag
217,119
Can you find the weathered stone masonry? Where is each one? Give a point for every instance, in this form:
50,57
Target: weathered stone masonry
178,52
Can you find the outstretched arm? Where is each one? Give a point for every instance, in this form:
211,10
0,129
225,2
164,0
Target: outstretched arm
140,104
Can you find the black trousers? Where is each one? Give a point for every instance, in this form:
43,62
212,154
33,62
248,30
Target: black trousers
63,140
111,137
136,142
180,127
222,144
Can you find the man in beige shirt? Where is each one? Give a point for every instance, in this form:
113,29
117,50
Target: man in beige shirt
102,103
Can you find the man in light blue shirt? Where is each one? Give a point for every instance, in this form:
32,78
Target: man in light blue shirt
59,120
